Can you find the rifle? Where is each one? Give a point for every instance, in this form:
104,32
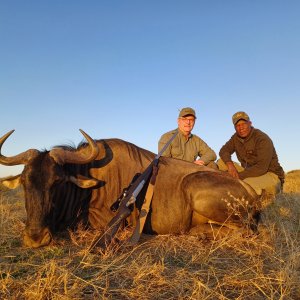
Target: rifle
125,203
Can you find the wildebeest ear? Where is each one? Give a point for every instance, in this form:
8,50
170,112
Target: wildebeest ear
84,182
11,182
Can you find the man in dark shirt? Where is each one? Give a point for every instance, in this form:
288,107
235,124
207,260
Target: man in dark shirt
188,146
255,151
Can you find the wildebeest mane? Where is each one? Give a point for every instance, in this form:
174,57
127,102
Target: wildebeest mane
69,147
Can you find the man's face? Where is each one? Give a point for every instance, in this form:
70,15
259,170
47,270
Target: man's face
186,124
243,128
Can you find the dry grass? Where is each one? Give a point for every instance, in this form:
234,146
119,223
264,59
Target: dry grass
266,266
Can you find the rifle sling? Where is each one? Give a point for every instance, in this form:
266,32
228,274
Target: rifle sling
144,209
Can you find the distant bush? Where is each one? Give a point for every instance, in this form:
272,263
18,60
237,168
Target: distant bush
292,182
2,187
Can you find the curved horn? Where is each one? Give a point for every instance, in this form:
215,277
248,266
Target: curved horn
62,156
20,159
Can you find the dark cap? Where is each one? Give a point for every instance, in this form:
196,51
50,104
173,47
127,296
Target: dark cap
240,115
187,111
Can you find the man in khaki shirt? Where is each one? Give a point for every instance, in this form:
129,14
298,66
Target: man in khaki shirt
187,146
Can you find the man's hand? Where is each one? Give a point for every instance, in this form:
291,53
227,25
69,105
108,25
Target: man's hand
199,162
232,170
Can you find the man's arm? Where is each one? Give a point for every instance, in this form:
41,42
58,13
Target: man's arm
227,150
264,152
232,169
206,153
225,154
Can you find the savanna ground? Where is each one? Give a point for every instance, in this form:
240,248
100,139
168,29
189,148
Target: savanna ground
265,266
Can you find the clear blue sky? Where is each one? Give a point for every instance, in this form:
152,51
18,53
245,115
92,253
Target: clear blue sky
124,68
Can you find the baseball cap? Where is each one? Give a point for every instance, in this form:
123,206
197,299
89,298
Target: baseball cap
240,115
187,111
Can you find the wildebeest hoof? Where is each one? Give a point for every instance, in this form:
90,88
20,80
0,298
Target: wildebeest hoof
202,236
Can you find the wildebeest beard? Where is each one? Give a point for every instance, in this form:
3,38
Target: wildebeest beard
70,203
68,214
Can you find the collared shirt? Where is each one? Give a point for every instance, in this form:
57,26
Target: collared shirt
256,154
186,149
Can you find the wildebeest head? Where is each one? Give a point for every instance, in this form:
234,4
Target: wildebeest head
42,172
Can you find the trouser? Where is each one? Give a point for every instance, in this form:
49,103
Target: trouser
268,182
212,165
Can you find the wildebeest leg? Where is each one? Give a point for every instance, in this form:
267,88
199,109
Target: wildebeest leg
210,231
221,200
203,228
198,219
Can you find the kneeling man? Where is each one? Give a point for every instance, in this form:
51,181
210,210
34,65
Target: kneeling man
255,151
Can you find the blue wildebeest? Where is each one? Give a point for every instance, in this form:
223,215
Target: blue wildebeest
66,184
